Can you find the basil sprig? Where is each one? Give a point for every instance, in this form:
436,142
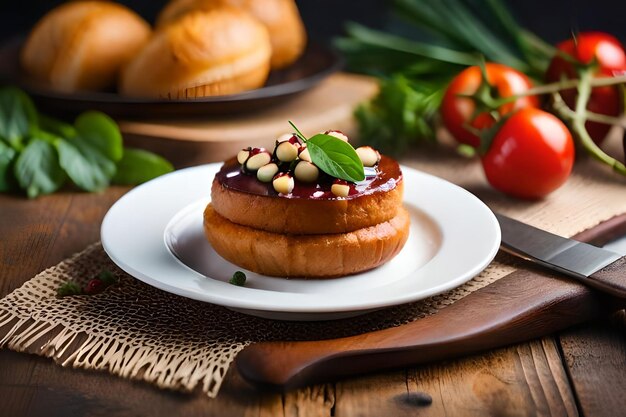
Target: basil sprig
39,154
333,156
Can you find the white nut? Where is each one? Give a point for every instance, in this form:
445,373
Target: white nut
284,137
340,190
306,172
283,184
304,155
368,155
286,151
258,160
267,172
243,155
337,134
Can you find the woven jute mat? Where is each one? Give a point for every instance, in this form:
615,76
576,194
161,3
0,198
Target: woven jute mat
136,331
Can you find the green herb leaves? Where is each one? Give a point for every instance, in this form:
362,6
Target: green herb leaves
38,154
17,115
137,166
402,114
413,74
333,156
37,169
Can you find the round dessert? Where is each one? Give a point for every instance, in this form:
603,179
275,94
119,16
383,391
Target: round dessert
280,17
311,207
83,45
278,213
217,52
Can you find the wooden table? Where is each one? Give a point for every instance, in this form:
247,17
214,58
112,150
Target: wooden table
579,372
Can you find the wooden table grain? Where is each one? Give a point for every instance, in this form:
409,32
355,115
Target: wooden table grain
578,372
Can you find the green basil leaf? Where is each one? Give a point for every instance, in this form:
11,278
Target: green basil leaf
138,166
102,133
56,127
37,169
85,165
335,157
17,115
7,177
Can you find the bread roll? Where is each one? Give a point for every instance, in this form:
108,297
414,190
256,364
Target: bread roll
307,256
280,17
82,45
306,216
222,51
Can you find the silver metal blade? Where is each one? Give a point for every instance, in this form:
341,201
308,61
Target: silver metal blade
568,256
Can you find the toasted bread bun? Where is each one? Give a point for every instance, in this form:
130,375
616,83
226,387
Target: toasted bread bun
83,45
307,256
280,17
305,216
278,214
223,51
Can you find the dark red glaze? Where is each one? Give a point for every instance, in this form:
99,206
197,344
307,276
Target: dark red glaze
382,178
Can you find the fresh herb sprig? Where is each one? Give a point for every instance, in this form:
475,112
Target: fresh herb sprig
333,156
38,154
414,73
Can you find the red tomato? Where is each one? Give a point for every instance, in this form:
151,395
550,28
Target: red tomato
531,155
611,60
457,111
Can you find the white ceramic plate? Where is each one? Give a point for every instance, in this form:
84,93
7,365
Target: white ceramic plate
155,234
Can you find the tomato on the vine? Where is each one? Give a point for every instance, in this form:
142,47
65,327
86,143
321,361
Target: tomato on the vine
458,112
531,155
608,54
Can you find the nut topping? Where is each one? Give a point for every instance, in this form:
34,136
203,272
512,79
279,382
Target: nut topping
257,159
340,188
243,156
368,155
304,155
306,172
283,183
290,165
286,151
337,134
266,172
286,137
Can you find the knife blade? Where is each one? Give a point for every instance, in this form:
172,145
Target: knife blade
599,268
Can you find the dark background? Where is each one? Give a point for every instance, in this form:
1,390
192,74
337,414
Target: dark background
554,20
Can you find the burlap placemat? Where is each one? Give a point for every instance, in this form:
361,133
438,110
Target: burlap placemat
135,331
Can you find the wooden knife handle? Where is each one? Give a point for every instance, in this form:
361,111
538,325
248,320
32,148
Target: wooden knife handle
518,307
611,278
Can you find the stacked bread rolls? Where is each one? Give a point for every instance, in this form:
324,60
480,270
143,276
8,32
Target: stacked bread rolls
298,224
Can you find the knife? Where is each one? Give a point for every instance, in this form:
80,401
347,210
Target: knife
596,267
520,306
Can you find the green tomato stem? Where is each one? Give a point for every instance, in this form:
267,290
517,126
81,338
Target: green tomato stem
578,119
563,85
596,117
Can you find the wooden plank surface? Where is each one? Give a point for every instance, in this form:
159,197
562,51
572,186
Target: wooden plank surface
190,142
523,380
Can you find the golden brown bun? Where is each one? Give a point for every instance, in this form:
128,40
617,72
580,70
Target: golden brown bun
305,216
223,51
308,256
281,17
83,45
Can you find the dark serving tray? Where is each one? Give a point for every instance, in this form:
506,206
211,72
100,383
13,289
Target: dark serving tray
314,65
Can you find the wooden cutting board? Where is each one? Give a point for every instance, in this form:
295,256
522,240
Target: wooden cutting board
523,305
329,105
